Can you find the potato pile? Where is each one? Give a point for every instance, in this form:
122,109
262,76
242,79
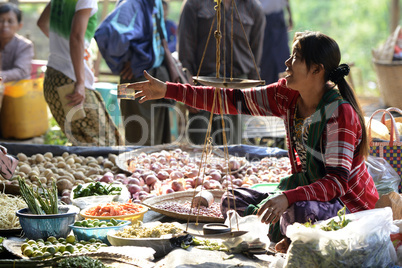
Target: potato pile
68,169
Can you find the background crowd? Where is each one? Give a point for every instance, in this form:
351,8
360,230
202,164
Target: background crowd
131,39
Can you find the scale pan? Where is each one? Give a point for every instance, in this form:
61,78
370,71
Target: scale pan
227,82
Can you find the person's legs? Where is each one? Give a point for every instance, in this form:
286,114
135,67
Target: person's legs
275,48
232,129
96,128
197,127
147,123
54,79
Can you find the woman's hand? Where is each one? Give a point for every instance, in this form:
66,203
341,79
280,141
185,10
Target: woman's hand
274,208
78,96
152,89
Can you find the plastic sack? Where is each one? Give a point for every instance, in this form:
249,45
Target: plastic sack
364,242
256,237
89,201
385,177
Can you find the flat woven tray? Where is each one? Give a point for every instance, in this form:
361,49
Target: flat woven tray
181,197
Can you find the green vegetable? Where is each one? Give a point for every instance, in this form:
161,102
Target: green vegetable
208,244
334,225
97,223
45,203
80,261
95,189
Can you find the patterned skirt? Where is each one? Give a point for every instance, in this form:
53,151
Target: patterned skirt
95,129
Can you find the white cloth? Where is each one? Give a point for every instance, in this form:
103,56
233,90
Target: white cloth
59,57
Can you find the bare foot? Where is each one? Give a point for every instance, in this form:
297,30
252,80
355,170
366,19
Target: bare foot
283,245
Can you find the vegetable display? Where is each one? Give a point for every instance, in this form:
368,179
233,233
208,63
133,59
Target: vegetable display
80,261
185,208
165,172
334,225
95,189
360,239
114,209
207,244
139,231
53,247
334,253
40,203
98,223
9,204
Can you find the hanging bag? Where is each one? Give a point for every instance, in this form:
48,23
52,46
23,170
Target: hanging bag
390,150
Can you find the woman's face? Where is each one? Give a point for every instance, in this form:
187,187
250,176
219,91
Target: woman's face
9,25
297,73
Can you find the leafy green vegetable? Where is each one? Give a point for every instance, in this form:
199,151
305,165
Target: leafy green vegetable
80,262
334,225
208,244
45,203
95,189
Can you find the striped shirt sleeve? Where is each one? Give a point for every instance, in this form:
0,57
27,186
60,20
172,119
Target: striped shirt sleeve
270,100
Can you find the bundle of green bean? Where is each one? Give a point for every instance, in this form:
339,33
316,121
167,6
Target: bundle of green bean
45,203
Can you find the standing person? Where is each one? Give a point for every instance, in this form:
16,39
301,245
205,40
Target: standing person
16,52
325,130
276,42
193,31
171,28
130,47
70,25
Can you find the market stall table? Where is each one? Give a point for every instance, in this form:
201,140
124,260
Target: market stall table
252,152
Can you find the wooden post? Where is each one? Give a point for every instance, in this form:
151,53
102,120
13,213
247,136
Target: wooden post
99,56
394,15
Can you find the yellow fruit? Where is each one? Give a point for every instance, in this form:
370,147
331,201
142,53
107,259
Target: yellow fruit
69,248
70,239
51,249
51,239
62,248
28,251
24,246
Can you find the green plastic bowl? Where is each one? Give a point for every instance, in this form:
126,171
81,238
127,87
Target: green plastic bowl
266,187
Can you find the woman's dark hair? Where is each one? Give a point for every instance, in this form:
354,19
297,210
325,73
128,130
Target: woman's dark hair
320,49
5,8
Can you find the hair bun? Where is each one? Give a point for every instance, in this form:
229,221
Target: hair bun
339,72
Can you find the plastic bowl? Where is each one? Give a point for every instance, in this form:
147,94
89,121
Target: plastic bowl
162,246
85,233
130,217
42,226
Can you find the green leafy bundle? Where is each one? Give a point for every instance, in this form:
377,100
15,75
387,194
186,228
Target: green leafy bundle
41,204
95,189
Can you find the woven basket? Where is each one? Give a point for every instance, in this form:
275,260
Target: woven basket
390,82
